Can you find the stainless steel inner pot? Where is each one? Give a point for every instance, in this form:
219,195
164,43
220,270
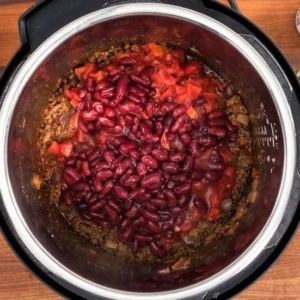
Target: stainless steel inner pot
42,229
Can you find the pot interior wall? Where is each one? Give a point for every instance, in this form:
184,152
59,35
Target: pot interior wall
42,218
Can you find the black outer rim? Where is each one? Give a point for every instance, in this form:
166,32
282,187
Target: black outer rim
225,15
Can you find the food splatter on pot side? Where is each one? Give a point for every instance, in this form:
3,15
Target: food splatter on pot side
147,152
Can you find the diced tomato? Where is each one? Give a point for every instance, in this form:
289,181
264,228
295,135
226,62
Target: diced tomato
192,92
167,93
192,113
178,53
73,95
73,124
84,72
210,96
193,68
165,143
102,136
54,149
156,49
98,76
225,152
65,149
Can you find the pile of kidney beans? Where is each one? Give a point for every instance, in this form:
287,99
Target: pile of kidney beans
139,178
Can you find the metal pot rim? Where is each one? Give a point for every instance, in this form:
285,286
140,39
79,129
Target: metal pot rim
20,80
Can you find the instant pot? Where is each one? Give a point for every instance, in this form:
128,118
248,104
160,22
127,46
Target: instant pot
55,36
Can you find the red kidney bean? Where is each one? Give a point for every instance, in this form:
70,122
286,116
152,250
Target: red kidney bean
187,127
157,250
127,234
82,207
135,154
72,174
176,211
81,106
151,216
143,238
78,165
195,148
183,201
82,93
171,197
219,132
108,156
181,178
201,205
153,226
146,148
93,154
123,166
159,202
197,175
217,122
165,216
81,186
86,168
111,213
127,61
136,193
213,175
117,71
139,80
70,161
104,174
188,164
178,221
166,227
92,199
97,215
119,192
125,223
121,88
109,112
216,113
229,125
90,84
78,195
141,169
149,111
150,161
170,167
88,98
151,181
132,212
100,166
178,124
114,204
160,154
82,125
132,181
106,121
128,120
185,139
145,129
183,189
96,207
98,107
129,107
159,129
127,147
217,166
179,111
68,197
167,107
207,140
101,85
177,157
135,247
147,72
108,92
137,91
